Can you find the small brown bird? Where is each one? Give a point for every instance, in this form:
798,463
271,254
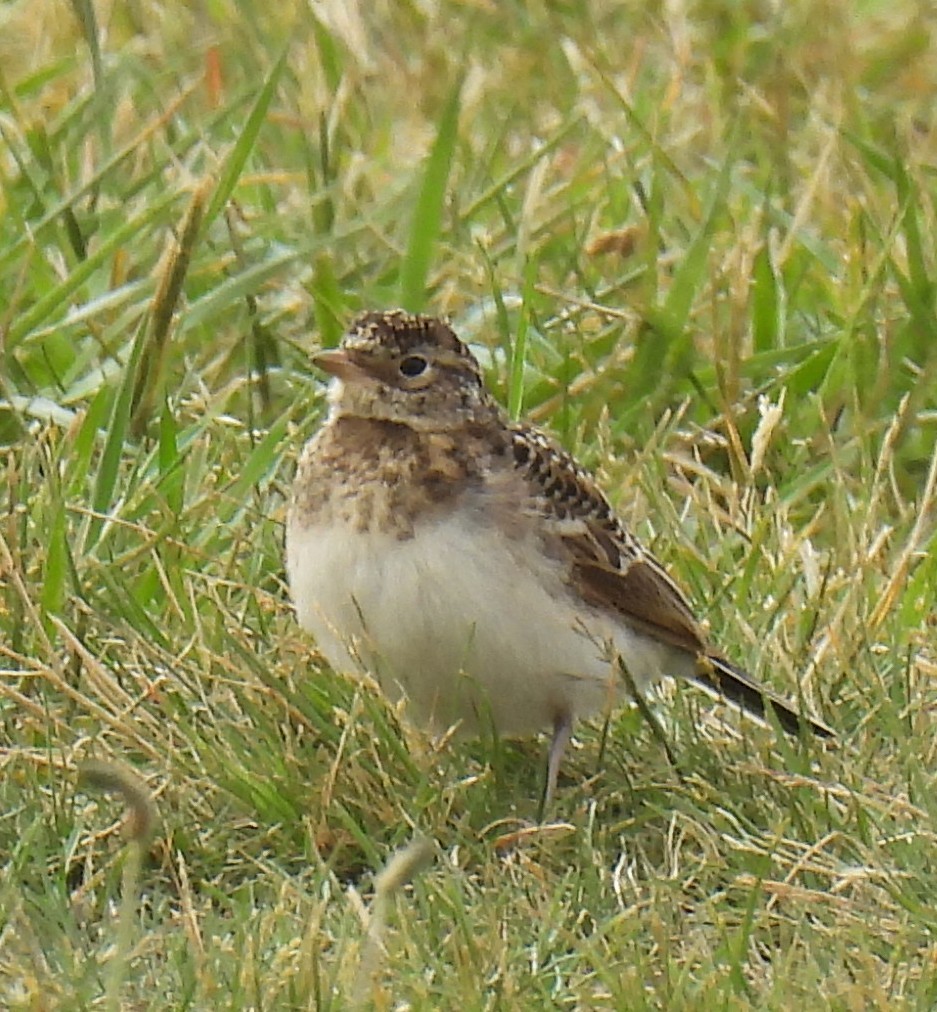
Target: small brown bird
469,563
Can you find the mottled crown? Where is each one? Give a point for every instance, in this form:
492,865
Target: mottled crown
401,333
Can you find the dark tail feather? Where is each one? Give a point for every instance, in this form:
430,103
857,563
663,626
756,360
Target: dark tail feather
717,675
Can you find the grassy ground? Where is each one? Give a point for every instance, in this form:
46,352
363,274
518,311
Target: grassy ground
714,225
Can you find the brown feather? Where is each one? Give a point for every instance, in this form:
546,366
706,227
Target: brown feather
637,593
614,573
724,679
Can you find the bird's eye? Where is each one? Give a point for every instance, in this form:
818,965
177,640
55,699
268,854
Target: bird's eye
413,365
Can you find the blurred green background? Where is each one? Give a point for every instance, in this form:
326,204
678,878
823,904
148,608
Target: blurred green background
693,240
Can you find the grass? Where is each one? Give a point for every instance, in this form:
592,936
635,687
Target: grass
191,201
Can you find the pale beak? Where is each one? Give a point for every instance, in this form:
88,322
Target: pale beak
338,363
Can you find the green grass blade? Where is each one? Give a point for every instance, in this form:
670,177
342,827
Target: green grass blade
767,303
115,441
519,348
330,305
57,299
427,216
237,157
56,569
692,269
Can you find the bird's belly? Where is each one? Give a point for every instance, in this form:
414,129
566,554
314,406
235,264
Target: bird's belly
473,627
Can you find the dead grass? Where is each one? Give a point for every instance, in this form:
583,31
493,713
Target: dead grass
714,225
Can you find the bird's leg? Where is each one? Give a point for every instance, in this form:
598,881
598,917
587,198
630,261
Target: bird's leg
562,732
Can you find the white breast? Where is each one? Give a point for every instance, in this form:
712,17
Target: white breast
473,627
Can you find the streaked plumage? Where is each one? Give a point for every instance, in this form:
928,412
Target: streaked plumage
468,562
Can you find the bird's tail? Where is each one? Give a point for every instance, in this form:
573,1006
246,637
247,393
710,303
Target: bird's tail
725,680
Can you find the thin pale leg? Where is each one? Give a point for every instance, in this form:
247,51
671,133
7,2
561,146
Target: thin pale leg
562,732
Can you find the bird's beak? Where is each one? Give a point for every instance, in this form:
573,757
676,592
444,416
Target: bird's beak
338,363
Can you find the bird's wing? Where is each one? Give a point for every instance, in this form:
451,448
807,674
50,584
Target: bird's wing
615,573
610,568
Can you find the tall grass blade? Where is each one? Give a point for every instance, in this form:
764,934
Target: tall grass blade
427,217
237,157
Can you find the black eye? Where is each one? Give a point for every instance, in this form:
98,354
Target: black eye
413,365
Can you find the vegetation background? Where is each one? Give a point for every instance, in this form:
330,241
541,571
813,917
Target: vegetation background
696,240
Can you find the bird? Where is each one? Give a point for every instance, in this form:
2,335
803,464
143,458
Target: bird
470,565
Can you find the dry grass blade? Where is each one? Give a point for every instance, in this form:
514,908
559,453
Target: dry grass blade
398,871
168,291
758,189
117,778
